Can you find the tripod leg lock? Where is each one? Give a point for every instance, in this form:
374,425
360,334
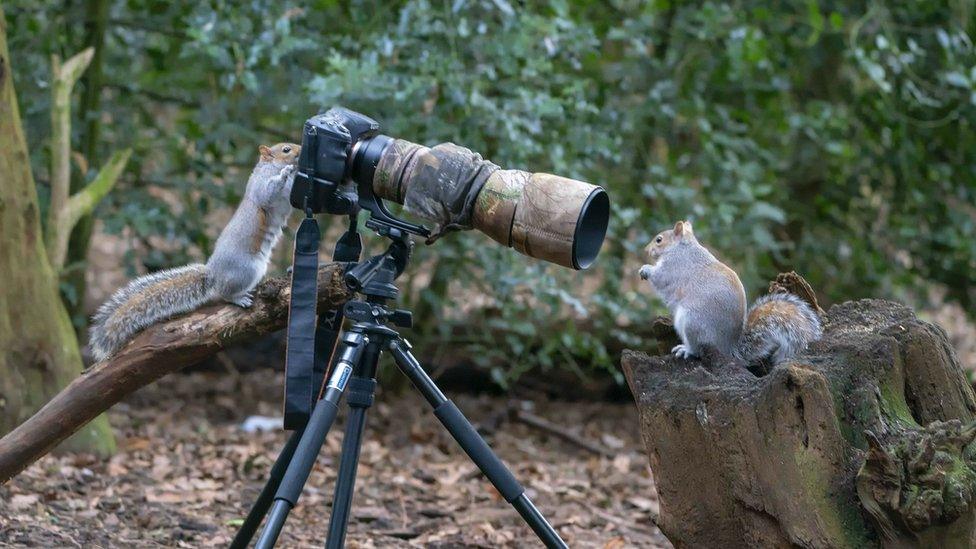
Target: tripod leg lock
360,392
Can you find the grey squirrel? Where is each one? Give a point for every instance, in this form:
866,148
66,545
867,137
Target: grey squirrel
239,260
708,304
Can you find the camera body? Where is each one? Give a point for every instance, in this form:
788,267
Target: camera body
329,145
340,151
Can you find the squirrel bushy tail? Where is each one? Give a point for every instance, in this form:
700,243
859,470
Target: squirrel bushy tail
778,326
145,301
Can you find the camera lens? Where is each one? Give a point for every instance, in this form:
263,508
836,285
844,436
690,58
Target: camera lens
545,216
366,155
591,229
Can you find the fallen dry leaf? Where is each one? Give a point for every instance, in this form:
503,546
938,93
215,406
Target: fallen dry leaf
20,502
186,474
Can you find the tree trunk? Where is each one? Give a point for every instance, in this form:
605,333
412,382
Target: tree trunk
96,23
38,350
864,440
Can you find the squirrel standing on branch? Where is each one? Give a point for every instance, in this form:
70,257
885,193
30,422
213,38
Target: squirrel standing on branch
239,260
708,304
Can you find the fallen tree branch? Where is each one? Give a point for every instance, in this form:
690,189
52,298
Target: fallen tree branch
159,350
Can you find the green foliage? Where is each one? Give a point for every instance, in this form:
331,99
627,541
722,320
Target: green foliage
830,137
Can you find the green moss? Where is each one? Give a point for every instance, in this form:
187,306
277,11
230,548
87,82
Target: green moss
893,404
839,514
838,392
855,411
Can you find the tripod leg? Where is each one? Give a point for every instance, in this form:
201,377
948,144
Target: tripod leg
261,505
360,398
311,441
475,446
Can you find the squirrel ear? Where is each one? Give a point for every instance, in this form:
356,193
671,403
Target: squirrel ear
682,230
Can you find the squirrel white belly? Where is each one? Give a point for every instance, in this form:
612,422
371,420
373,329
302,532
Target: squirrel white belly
239,260
708,304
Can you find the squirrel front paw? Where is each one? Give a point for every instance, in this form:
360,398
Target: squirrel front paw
244,300
682,351
645,272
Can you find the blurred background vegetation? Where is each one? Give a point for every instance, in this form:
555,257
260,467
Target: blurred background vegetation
833,138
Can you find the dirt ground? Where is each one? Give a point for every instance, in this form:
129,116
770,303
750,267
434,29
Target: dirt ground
186,473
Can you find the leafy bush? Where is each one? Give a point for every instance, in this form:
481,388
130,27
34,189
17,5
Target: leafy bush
830,137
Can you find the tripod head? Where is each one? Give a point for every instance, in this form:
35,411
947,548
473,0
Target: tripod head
374,277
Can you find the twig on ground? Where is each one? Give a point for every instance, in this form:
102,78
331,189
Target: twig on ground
622,524
532,420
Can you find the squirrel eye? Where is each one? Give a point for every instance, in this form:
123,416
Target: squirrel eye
286,150
659,239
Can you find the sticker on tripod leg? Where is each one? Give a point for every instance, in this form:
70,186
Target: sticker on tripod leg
340,376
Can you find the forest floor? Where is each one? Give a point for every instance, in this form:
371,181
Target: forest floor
186,473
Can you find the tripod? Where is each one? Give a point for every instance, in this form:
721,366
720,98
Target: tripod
353,373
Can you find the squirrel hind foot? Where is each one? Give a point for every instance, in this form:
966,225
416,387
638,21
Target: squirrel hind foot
244,301
683,351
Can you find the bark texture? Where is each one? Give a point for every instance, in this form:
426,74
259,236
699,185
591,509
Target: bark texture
865,440
159,350
38,350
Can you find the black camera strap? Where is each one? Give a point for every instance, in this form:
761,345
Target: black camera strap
301,342
309,356
347,250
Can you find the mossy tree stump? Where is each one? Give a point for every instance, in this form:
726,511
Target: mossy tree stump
865,440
